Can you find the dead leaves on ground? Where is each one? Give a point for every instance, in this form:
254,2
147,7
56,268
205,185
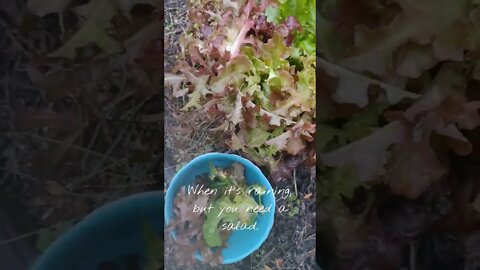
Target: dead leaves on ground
32,118
75,119
97,16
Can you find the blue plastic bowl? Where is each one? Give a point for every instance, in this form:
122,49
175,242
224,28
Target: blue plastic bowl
241,243
107,234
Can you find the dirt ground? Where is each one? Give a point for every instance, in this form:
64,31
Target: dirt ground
104,136
291,243
74,134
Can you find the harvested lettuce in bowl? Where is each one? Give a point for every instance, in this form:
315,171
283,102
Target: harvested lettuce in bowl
227,209
219,208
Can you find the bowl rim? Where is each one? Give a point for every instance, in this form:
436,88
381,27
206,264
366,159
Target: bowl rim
109,208
248,166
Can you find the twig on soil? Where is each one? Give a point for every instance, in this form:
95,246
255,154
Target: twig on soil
89,146
268,254
115,163
14,39
17,172
30,234
13,160
60,22
412,257
73,146
295,181
111,148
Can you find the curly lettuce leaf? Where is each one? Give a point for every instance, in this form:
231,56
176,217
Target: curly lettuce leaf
304,12
243,202
257,75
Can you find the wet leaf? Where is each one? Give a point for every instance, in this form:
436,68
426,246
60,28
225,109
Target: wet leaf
44,7
412,168
368,155
98,15
353,88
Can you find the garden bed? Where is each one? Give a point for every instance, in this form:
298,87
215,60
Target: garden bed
77,131
190,135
